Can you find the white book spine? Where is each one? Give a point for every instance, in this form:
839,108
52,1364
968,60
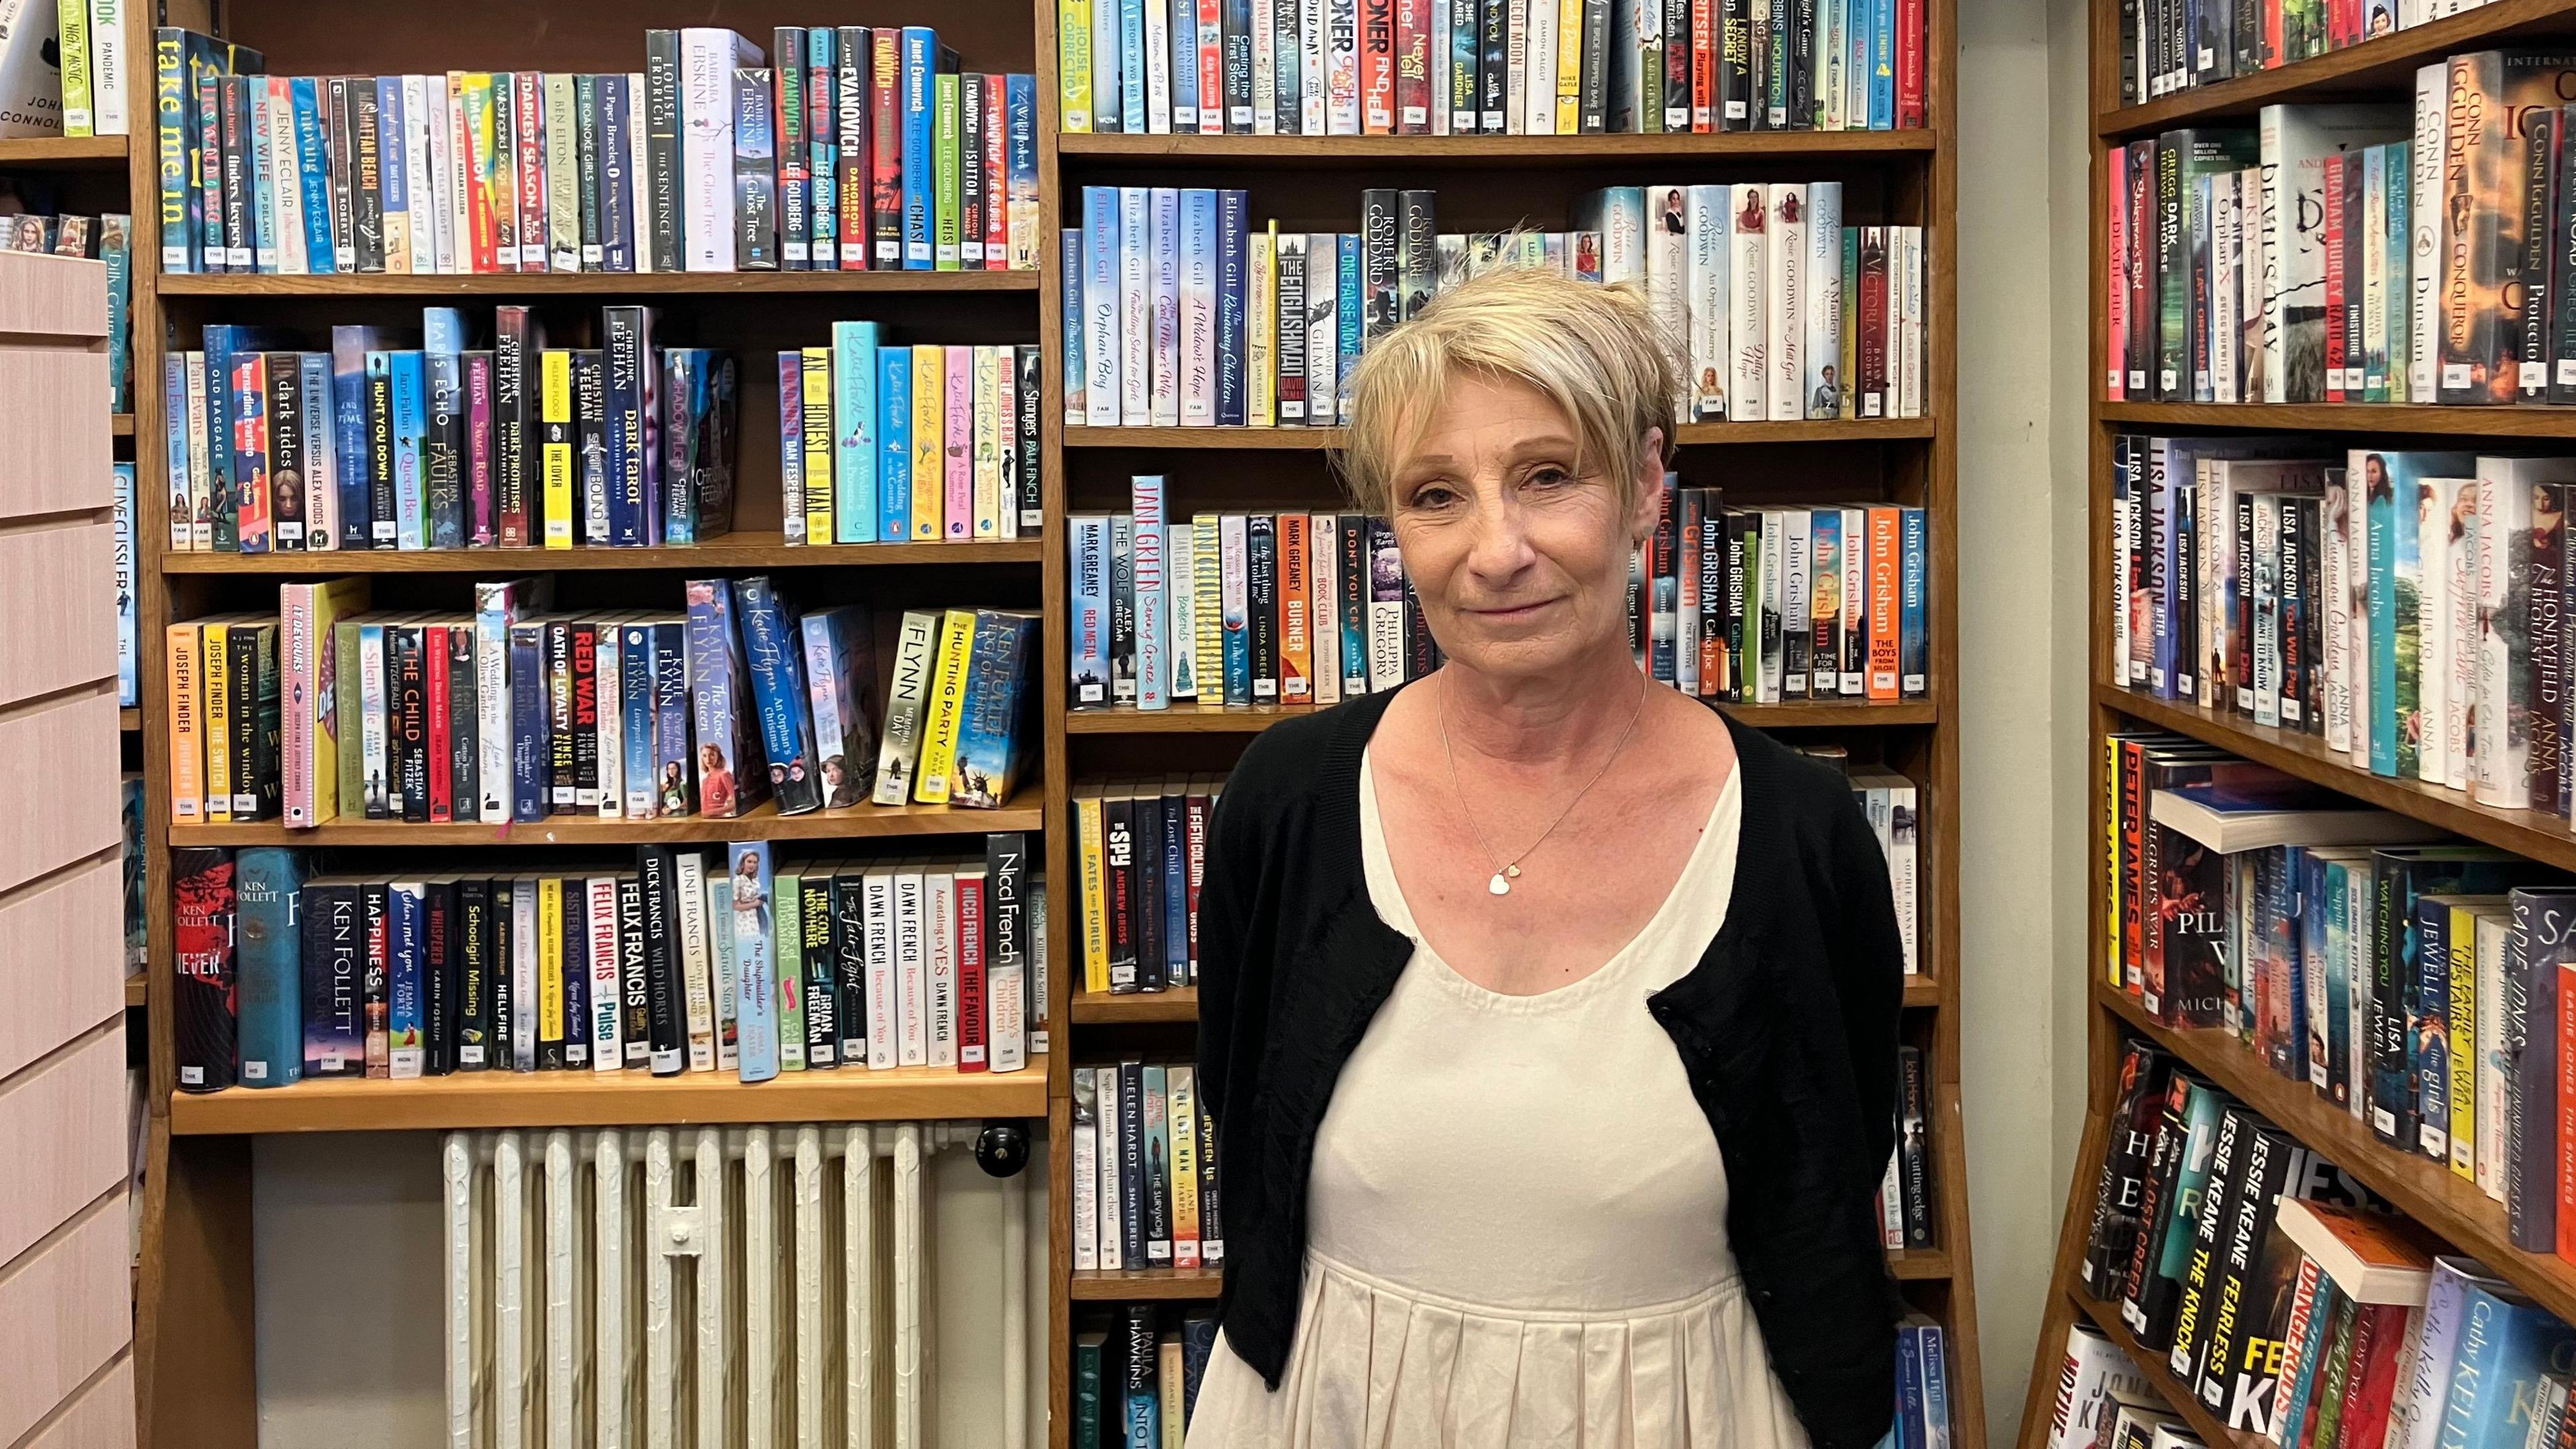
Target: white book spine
2356,652
420,193
1164,221
884,1035
460,168
1711,244
1313,52
1539,99
1785,309
639,189
1135,308
939,933
607,994
1439,42
2460,658
523,972
2280,196
1385,644
107,79
1668,270
1324,625
2424,227
2487,1165
2334,582
708,58
611,694
1910,376
1824,372
1265,67
911,970
434,142
492,715
1100,349
1198,314
1516,67
1113,1245
2501,773
2226,243
1748,267
1342,82
1767,653
1180,556
2433,632
1323,329
285,180
697,964
1158,66
1086,1172
1261,328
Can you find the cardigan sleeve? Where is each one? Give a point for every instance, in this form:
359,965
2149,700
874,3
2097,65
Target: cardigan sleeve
1867,958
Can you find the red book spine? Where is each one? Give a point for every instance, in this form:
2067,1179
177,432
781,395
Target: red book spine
1909,65
971,1055
1377,67
442,802
822,121
853,158
2334,277
1211,63
2115,342
1195,812
885,138
2567,1111
2372,1383
2272,54
530,103
1703,66
1413,67
997,173
478,446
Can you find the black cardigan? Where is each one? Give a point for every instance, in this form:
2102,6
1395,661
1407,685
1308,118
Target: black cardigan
1787,1030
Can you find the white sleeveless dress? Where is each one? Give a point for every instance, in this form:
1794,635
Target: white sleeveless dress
1517,1218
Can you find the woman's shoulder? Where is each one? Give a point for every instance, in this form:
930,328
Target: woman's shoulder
1809,794
1290,761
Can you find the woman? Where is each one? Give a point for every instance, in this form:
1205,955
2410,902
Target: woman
1548,1017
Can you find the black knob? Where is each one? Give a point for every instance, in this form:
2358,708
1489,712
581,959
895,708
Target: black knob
1002,1148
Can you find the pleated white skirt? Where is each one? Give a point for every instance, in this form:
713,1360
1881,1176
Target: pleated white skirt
1377,1367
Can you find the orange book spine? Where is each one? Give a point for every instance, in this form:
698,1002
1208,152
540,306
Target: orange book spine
1296,585
187,727
1886,570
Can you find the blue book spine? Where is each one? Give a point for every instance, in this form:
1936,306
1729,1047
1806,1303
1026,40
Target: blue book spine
1914,639
1935,1374
1131,65
175,147
855,509
1231,222
1908,1432
2505,1345
349,346
2429,1032
988,734
411,426
2167,671
1163,306
1153,611
391,177
674,789
2382,524
841,737
755,970
263,185
1176,901
268,885
1347,314
175,440
823,155
403,984
636,678
775,650
1100,301
622,361
1020,102
1882,65
531,755
894,442
1069,269
219,345
616,185
313,178
920,59
1088,642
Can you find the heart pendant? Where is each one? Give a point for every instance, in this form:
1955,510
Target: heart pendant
1498,885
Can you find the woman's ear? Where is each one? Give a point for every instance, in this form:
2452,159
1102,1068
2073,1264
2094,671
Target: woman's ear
1649,507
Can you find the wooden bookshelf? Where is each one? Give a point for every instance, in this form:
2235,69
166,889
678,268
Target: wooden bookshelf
723,553
762,822
1201,719
2448,1206
592,284
583,1098
59,153
1326,151
1857,430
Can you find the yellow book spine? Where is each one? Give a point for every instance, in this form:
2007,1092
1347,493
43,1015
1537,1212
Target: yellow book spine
817,416
218,674
183,662
1073,50
1569,66
1260,327
988,417
331,603
947,709
1207,587
929,431
554,381
550,961
1181,1087
2464,1036
1089,864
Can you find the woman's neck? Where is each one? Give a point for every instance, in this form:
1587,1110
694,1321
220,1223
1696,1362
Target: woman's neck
1534,720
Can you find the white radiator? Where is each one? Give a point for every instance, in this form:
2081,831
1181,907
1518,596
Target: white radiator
763,1287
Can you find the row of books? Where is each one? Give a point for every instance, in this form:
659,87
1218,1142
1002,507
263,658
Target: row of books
2412,981
1144,1169
845,149
2354,253
884,444
517,712
1136,1372
2284,1299
2173,45
107,238
726,959
1772,307
397,440
2104,1402
1459,68
2404,606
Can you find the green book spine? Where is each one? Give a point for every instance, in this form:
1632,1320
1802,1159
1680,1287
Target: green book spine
946,175
1086,1390
788,900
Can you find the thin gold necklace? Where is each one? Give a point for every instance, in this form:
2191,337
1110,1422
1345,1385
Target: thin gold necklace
1507,871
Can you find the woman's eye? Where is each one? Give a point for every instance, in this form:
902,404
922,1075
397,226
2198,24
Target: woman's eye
1550,476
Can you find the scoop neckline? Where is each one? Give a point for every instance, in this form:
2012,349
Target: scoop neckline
1396,912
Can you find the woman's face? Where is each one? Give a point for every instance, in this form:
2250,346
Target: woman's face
1521,566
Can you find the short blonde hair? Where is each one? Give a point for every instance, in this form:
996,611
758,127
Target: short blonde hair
1592,350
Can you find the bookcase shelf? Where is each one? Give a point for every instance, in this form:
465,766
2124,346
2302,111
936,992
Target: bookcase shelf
1296,151
2378,419
721,554
1181,1004
1195,719
129,719
585,284
762,823
1131,1285
1688,435
2524,832
602,1099
2372,66
121,425
137,989
2446,1205
84,153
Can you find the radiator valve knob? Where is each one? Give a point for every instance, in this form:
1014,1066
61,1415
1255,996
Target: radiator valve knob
1002,1148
